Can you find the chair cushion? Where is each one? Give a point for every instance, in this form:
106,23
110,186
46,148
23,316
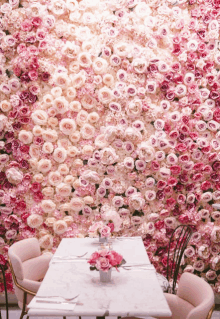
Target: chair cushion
21,251
180,308
195,290
163,282
36,268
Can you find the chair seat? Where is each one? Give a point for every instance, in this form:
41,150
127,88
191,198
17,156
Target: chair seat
163,282
179,307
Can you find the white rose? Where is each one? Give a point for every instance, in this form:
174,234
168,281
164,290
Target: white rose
78,80
37,130
76,204
150,195
105,95
14,176
63,189
25,137
87,131
60,104
44,165
88,102
47,148
50,135
55,178
99,66
5,106
48,206
39,117
34,151
46,241
50,221
82,117
48,191
84,59
34,221
60,154
67,126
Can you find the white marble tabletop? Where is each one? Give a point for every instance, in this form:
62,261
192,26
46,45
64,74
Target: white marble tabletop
133,292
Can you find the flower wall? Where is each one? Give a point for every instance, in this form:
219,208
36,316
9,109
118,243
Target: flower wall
111,107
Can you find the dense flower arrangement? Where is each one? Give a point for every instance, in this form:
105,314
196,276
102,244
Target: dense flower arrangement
111,106
105,260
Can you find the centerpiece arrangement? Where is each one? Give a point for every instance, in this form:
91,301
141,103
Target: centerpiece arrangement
104,229
103,261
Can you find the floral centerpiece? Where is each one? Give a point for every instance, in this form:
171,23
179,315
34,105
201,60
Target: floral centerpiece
104,260
101,230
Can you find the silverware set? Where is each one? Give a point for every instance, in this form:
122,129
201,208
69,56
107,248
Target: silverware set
65,300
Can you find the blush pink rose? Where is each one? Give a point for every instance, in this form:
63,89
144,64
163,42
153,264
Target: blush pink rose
103,264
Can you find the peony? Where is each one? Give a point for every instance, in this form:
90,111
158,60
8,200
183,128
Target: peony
113,217
146,152
136,201
60,227
108,156
14,175
34,221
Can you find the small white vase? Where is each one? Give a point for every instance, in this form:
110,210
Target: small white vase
105,276
103,239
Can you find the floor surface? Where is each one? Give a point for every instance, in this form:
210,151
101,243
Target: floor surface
14,313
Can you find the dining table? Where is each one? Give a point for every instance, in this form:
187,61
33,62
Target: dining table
134,289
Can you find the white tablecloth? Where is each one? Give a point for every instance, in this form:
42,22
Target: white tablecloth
133,292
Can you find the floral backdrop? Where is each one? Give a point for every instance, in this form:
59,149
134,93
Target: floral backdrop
110,109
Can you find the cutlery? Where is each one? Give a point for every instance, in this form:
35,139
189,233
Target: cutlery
67,299
60,302
68,260
70,256
138,265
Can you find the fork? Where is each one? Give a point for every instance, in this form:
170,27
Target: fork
71,256
67,299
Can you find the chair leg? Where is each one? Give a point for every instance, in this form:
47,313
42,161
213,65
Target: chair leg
23,312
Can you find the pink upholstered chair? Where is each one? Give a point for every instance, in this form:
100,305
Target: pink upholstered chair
194,299
28,266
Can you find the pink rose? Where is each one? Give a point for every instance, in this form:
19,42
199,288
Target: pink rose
93,258
105,231
115,259
103,264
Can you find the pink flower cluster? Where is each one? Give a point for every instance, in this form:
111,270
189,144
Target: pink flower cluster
105,259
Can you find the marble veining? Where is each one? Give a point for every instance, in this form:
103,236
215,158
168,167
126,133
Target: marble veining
130,293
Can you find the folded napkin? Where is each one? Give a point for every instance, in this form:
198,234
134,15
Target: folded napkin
47,303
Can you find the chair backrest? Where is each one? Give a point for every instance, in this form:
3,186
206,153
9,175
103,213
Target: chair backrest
198,293
178,242
6,293
21,251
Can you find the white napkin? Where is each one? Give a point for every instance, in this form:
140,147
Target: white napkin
54,306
